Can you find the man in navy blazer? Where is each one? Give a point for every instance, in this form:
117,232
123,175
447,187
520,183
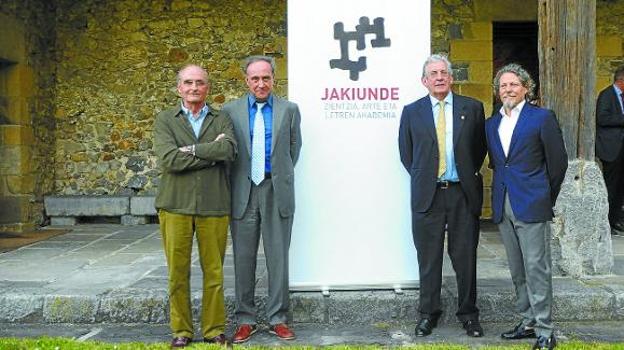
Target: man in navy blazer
442,147
610,145
528,156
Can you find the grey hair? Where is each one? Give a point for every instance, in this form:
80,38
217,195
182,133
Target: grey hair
179,78
438,57
619,74
523,76
259,58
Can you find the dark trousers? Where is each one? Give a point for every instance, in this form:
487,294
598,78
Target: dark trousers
449,209
613,173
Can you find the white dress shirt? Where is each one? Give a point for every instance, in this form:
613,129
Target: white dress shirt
507,125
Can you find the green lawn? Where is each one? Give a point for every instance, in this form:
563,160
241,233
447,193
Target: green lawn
68,344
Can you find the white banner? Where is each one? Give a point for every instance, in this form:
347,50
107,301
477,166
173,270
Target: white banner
352,66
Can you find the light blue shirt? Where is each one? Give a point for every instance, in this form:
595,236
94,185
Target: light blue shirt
196,123
618,93
451,171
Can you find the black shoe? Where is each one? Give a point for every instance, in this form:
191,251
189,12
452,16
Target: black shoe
180,342
473,328
545,343
219,339
519,332
425,326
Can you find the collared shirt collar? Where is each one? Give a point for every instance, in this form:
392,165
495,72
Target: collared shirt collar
617,90
514,111
448,99
252,99
203,111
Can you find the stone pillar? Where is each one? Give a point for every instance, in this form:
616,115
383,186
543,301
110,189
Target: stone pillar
567,40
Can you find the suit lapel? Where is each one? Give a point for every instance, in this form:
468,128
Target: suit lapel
426,116
459,116
520,125
241,112
278,116
497,144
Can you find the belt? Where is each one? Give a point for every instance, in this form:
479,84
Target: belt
445,184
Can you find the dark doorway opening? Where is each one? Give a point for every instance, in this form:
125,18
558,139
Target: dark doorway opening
516,42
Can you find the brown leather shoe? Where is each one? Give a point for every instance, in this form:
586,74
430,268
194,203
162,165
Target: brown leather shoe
282,331
219,339
180,342
243,333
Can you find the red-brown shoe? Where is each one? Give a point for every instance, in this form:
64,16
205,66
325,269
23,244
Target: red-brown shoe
243,333
282,331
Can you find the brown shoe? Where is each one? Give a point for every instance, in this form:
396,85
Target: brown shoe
180,342
282,331
219,339
243,333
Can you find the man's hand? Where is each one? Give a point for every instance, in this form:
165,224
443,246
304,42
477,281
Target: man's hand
188,149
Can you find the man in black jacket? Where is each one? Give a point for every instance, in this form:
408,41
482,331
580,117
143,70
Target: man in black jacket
442,147
609,145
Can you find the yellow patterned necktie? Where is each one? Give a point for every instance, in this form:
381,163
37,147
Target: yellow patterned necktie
441,135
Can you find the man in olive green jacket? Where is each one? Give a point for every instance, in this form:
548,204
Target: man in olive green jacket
192,143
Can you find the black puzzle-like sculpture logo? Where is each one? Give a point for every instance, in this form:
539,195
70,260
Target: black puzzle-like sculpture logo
359,36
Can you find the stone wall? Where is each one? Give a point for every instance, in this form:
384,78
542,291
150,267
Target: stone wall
27,74
94,74
117,62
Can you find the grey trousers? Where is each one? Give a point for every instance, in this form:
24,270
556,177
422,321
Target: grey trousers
528,253
261,218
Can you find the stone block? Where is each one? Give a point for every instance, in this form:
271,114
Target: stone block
20,81
70,309
471,50
577,301
17,110
482,92
14,209
608,46
20,308
142,205
480,72
87,205
581,234
24,184
133,220
17,135
12,40
281,69
63,221
505,10
128,307
602,82
478,31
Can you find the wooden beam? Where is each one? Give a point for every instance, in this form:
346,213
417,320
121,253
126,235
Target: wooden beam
566,49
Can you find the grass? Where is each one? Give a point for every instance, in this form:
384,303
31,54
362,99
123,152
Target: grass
46,343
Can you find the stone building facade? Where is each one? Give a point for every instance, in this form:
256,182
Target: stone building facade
80,81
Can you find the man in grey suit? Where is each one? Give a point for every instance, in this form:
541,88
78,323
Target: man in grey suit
263,197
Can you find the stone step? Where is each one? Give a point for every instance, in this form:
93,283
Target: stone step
574,300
